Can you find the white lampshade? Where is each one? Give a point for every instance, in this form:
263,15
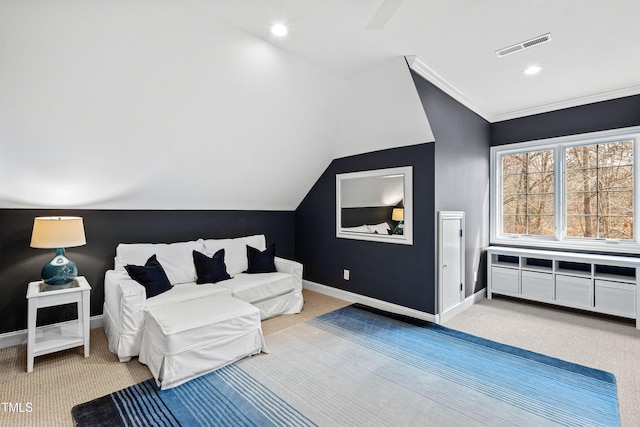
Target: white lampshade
397,214
57,232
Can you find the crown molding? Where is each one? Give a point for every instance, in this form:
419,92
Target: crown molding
450,89
445,85
574,102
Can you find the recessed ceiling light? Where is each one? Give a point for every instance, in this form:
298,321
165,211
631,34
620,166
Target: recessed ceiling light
534,69
279,30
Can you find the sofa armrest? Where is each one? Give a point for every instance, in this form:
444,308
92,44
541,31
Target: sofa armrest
292,267
125,301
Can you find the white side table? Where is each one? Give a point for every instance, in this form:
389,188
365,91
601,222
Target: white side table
61,336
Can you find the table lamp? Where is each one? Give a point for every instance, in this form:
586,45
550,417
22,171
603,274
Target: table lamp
398,215
58,232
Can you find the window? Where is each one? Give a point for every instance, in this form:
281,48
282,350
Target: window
572,192
599,190
527,193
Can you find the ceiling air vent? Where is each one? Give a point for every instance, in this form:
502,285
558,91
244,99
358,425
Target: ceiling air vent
524,45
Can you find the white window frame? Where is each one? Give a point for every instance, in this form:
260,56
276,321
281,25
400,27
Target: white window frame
559,240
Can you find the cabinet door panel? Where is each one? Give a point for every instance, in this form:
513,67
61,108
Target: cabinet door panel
616,298
537,285
504,279
574,291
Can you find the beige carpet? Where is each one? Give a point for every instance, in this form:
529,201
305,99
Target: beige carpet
61,380
597,342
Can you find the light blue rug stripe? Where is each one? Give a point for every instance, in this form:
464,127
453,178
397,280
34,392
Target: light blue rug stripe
206,403
211,407
270,404
569,397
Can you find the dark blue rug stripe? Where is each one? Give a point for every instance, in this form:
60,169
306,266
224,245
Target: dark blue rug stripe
571,397
140,405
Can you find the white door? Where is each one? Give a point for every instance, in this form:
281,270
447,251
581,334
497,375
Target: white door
451,259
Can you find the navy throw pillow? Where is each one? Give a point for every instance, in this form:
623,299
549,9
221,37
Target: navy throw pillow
152,276
261,261
210,270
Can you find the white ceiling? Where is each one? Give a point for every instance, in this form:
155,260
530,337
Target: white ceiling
192,104
593,54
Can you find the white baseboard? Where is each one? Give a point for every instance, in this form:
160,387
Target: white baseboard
9,339
468,302
368,301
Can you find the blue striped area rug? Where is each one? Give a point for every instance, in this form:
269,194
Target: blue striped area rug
356,366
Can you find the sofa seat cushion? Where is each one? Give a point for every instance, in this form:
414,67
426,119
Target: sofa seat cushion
258,287
186,292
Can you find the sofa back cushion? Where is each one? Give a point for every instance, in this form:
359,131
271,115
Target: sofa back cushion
175,258
235,250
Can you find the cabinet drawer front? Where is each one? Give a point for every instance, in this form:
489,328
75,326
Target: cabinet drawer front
504,279
537,285
616,298
574,291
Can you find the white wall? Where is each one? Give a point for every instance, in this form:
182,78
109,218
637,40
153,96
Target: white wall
382,110
155,105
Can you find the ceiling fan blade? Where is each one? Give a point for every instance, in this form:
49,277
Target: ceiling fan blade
383,14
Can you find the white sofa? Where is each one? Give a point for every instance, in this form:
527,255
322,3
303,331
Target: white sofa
126,303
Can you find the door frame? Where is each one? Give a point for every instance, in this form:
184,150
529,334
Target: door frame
443,216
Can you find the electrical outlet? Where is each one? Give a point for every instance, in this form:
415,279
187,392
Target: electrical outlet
346,274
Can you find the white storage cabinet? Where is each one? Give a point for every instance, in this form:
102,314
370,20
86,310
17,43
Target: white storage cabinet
600,283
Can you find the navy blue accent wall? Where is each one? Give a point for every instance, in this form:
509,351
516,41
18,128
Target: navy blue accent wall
605,115
450,174
104,229
400,274
461,172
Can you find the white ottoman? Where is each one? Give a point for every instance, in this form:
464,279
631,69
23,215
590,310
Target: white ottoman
191,338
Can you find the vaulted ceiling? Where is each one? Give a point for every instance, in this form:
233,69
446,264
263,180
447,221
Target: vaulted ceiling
192,104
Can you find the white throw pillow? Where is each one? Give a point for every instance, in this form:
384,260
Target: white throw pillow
381,228
235,250
175,258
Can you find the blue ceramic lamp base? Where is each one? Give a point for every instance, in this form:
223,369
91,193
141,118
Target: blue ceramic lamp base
399,228
60,270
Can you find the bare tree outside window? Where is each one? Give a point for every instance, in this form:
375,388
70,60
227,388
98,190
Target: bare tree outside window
599,191
528,193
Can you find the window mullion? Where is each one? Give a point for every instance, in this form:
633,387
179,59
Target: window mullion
560,214
636,187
